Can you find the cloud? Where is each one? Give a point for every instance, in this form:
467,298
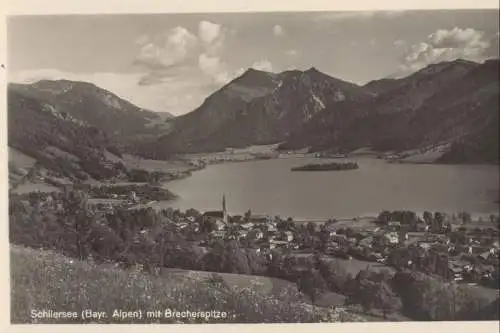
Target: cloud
278,30
163,54
141,40
212,36
167,49
263,65
291,53
399,43
209,31
446,45
172,96
175,70
214,67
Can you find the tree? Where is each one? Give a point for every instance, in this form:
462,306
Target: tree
79,219
386,299
465,217
372,291
324,238
227,257
248,215
311,227
334,274
438,221
284,225
311,283
384,217
191,212
428,219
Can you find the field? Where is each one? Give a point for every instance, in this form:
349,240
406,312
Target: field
44,280
33,187
354,266
132,162
20,160
361,224
266,285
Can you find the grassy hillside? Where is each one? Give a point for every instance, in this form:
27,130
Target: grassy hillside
44,280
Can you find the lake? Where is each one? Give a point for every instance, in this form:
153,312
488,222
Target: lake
269,187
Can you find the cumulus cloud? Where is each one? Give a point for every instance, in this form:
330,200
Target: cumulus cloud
168,49
209,31
291,53
278,30
214,67
446,45
212,36
167,53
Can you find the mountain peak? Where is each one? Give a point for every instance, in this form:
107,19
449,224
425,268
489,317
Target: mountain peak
312,70
254,77
433,68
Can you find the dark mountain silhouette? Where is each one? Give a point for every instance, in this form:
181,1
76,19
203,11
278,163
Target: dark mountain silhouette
453,103
127,126
56,140
95,106
257,108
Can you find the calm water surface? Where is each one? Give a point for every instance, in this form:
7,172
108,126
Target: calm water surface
270,187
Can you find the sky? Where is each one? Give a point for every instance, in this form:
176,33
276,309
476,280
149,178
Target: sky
172,62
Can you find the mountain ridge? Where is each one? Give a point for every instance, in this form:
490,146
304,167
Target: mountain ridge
427,108
242,114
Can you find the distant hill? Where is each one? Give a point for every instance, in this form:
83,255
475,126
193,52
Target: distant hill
57,140
258,108
451,103
77,129
122,121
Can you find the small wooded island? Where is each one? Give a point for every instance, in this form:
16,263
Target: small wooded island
334,166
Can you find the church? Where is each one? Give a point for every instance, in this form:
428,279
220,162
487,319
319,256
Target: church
219,215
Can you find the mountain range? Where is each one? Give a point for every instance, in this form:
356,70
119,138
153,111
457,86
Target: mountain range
258,108
453,104
76,128
450,104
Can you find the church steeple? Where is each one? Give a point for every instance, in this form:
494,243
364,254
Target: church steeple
224,211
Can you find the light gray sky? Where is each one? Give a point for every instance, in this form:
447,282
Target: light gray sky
171,62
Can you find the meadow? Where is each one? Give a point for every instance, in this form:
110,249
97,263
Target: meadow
45,280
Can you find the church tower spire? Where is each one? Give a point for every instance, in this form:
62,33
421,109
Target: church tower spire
224,211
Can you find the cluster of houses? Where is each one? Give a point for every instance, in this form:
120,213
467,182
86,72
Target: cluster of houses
259,230
475,257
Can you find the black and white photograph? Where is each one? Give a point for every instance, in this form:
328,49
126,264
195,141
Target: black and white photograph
253,167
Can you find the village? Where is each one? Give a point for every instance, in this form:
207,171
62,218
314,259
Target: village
455,252
452,247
